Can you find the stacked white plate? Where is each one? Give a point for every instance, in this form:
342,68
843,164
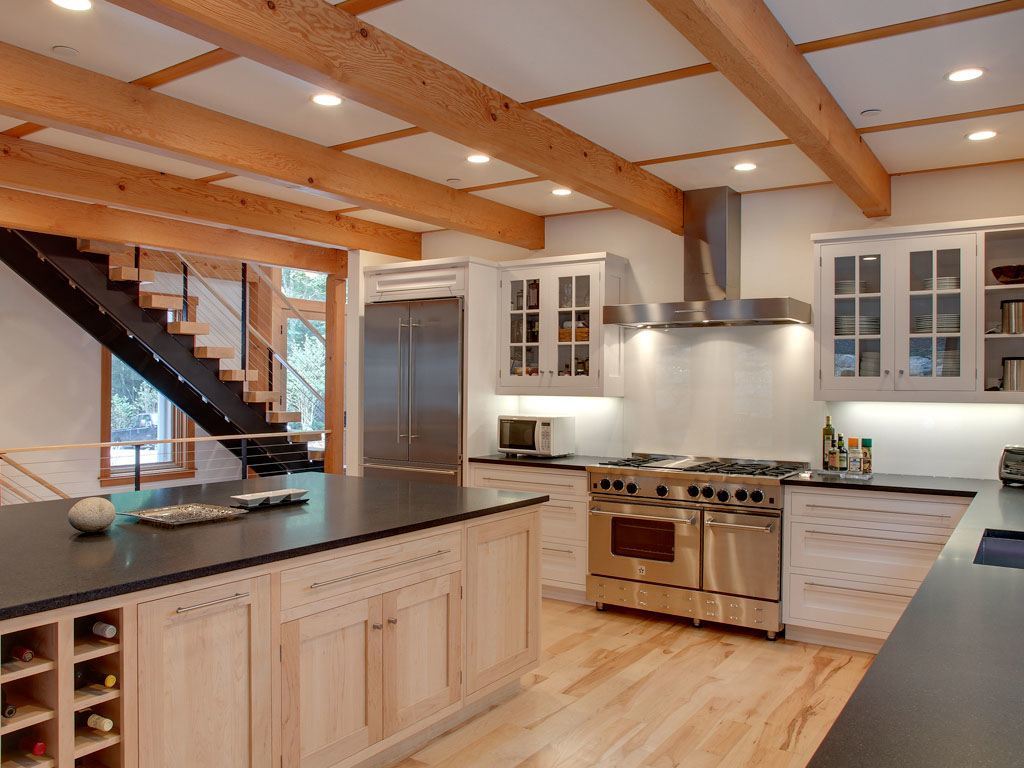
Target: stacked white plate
947,323
947,363
850,286
870,326
846,325
869,363
942,283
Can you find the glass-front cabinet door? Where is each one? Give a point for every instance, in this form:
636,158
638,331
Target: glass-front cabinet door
575,336
935,312
856,322
524,324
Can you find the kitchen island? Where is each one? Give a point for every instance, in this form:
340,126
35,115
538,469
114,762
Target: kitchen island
347,629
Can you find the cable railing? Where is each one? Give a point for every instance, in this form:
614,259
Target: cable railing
48,472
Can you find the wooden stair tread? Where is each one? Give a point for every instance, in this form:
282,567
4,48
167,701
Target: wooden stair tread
316,455
234,374
260,396
168,301
131,274
213,353
283,417
188,328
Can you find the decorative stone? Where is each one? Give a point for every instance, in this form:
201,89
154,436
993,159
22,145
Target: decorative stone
91,515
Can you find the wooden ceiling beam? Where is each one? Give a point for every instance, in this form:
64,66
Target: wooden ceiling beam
54,93
320,44
35,167
70,218
748,45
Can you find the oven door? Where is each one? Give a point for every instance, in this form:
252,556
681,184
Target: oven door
653,543
742,554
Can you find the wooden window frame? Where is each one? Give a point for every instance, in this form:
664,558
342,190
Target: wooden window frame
181,467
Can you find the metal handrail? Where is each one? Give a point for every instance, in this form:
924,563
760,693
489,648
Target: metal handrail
204,439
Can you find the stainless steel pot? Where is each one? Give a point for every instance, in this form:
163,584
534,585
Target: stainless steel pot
1013,374
1013,315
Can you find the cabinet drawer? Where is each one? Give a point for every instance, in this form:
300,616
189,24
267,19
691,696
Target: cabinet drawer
349,572
863,551
563,563
871,508
561,519
556,484
853,605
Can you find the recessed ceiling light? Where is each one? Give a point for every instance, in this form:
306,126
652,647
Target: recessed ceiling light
744,167
965,75
452,181
870,112
478,159
73,5
327,100
64,51
981,135
561,191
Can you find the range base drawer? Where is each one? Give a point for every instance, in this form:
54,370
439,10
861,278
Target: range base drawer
561,519
846,604
563,563
740,611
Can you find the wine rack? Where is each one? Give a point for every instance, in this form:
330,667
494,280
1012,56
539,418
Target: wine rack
44,692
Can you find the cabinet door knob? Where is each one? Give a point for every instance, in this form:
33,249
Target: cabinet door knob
886,371
377,625
901,371
392,620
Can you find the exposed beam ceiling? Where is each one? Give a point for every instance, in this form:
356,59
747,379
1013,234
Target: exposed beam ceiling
748,45
39,213
35,167
320,44
44,90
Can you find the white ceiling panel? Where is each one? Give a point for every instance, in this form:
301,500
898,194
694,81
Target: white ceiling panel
942,145
806,20
108,39
905,76
691,115
283,192
439,159
122,154
536,198
535,48
261,95
776,167
9,122
393,221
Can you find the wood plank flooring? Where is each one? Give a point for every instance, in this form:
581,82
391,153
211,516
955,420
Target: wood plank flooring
623,689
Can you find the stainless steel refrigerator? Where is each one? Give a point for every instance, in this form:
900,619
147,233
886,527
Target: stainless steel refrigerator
412,390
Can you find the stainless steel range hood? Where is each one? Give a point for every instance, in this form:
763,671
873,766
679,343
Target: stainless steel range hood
711,275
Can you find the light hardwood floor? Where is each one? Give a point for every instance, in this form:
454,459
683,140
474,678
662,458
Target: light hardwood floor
624,689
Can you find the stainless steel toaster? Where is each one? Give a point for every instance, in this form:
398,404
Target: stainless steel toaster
1011,465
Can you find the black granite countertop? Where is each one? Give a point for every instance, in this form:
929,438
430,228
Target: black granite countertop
559,462
45,564
947,688
940,486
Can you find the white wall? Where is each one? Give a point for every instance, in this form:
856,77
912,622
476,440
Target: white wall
748,391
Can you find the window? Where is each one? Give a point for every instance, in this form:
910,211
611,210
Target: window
306,353
132,409
300,284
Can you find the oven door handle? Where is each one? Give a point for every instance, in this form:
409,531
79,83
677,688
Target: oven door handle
741,527
680,520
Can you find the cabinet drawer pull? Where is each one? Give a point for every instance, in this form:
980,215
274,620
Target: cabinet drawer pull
560,551
318,584
392,620
208,603
377,625
548,505
739,526
874,538
854,589
874,511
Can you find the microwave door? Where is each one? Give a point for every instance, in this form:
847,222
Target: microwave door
434,410
385,382
518,435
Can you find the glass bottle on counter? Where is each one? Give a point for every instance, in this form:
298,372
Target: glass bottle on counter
856,465
828,434
832,465
843,460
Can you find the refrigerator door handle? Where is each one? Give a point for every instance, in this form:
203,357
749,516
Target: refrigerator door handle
398,394
412,378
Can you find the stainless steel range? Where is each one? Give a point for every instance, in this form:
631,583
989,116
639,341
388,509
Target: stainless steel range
689,536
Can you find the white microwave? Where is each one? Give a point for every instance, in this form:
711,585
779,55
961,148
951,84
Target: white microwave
537,435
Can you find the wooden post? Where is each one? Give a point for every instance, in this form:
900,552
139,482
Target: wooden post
334,396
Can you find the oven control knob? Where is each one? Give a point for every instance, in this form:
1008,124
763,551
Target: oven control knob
632,488
661,490
707,491
757,496
617,485
693,491
723,496
606,484
740,494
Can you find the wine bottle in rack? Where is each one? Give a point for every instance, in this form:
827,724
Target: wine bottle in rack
104,630
86,675
22,653
97,722
31,746
8,709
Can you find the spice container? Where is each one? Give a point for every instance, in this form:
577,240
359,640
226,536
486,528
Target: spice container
1012,311
866,461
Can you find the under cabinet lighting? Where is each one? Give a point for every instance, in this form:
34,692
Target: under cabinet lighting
981,135
744,167
561,191
73,5
327,100
479,159
965,75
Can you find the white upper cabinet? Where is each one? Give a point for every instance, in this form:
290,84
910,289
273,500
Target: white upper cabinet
552,338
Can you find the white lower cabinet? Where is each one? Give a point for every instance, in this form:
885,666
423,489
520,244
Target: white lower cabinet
852,559
563,519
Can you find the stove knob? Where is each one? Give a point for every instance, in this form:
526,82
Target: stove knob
707,491
617,485
693,491
723,496
632,488
740,495
606,484
757,496
661,490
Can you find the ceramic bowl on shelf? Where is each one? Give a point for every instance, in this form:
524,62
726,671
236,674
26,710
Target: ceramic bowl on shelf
1009,274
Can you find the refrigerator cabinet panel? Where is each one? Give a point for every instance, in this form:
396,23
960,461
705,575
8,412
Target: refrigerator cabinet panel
386,382
435,382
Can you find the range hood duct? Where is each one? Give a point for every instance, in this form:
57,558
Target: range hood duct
711,275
